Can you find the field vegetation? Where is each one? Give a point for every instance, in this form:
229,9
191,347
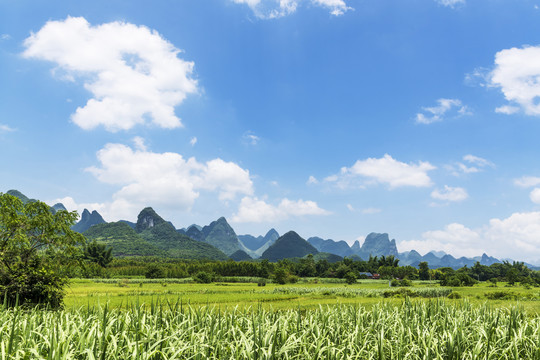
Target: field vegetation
432,329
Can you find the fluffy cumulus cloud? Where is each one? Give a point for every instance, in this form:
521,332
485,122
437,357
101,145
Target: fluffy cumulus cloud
451,3
272,9
516,237
444,108
453,194
517,74
255,210
167,180
385,170
134,75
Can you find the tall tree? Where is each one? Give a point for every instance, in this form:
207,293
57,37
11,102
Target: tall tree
34,244
423,270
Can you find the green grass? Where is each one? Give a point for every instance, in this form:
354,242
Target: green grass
307,294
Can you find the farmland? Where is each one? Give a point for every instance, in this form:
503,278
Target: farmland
314,318
306,294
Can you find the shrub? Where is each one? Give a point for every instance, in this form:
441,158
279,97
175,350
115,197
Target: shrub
154,272
454,295
203,277
500,295
350,278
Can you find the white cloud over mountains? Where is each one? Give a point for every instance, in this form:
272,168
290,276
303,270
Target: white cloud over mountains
168,181
132,72
517,236
165,179
517,74
385,170
272,9
445,107
255,210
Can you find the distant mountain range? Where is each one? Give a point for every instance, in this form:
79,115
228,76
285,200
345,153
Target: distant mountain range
151,235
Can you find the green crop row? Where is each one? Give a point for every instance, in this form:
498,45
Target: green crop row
433,329
359,292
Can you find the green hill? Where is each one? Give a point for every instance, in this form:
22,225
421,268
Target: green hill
161,234
240,255
221,235
20,196
289,245
331,258
123,240
88,220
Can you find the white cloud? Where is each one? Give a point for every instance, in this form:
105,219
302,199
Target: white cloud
350,207
479,164
193,141
273,9
5,37
453,194
517,74
451,3
437,113
480,76
385,170
507,109
517,237
535,195
312,180
139,143
256,210
133,74
250,138
527,181
166,179
71,205
6,128
371,211
336,7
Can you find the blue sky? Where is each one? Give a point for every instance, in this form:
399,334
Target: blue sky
334,118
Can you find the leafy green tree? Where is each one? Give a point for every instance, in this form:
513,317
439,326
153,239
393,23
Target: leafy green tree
154,271
98,253
423,270
35,246
350,278
280,275
203,277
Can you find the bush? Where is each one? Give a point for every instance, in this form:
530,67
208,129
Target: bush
203,277
454,295
500,295
154,272
350,278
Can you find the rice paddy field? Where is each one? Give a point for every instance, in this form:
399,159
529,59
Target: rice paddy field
167,319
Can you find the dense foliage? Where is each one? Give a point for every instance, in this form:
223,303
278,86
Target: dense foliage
34,245
289,269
